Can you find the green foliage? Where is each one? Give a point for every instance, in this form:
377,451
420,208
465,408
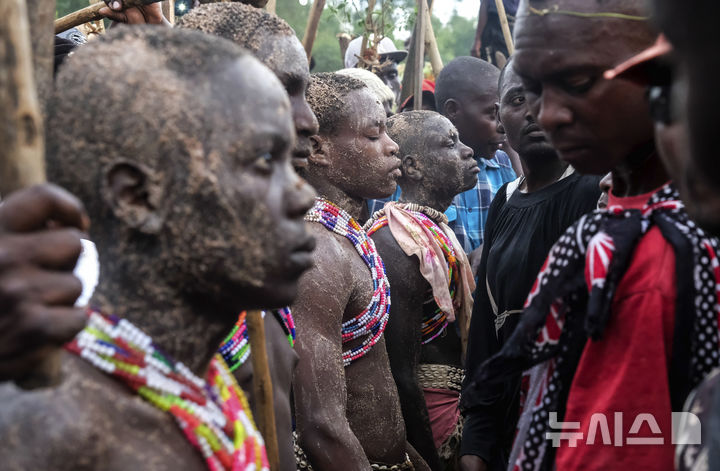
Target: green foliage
456,37
326,50
63,7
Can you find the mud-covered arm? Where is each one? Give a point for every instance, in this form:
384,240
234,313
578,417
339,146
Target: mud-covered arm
319,385
403,340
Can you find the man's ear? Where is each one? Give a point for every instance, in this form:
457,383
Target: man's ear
412,168
500,128
451,108
133,196
319,155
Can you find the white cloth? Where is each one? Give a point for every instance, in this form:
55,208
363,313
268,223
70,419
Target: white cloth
88,270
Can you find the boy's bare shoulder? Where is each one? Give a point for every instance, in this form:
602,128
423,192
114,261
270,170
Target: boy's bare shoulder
76,425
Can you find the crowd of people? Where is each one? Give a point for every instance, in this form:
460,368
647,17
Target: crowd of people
523,275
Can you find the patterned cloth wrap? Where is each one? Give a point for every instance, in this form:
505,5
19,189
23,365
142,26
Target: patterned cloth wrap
570,302
413,231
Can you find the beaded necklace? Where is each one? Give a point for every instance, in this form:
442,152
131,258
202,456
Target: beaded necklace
435,323
235,349
213,413
372,321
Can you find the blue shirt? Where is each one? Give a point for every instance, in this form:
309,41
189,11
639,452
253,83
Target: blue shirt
469,210
377,205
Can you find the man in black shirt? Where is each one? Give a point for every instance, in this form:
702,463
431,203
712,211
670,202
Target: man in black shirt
526,218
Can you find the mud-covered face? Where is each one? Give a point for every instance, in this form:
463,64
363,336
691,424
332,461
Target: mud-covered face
364,158
594,123
285,56
450,164
240,228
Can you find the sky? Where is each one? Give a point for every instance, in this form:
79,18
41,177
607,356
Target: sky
443,9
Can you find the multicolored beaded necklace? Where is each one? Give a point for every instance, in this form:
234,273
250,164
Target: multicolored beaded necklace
213,414
235,349
434,324
372,321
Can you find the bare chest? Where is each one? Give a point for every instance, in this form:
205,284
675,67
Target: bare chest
361,286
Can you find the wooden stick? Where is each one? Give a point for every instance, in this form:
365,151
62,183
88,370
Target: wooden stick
22,144
271,6
505,26
408,76
431,44
419,54
262,387
91,14
168,8
312,26
344,41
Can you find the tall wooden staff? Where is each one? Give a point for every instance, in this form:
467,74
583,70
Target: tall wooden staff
22,143
312,26
505,26
431,43
262,386
271,6
419,54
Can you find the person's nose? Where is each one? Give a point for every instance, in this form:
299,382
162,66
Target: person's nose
300,195
551,112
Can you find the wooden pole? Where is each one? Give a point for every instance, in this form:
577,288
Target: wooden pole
91,14
408,76
262,387
271,6
41,14
168,8
312,26
431,43
419,54
22,144
505,26
344,41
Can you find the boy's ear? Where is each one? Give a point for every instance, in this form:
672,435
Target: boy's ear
451,108
500,128
319,155
411,168
134,196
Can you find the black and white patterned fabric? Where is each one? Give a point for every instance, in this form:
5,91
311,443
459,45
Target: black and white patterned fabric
570,302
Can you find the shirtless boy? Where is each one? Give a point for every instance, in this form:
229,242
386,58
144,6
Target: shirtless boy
198,214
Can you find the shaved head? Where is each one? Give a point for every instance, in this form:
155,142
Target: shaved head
465,76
